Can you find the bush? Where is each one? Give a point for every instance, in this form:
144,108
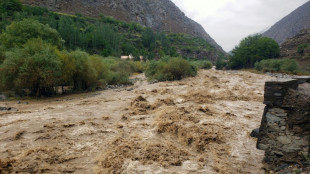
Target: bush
278,65
119,71
124,67
206,65
84,76
35,67
301,48
139,67
169,70
202,64
220,64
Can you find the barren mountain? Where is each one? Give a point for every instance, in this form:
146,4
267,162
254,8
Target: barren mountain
161,15
290,25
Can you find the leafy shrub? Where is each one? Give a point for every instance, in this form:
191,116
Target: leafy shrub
119,71
124,67
202,64
278,65
139,67
172,69
301,48
220,64
206,65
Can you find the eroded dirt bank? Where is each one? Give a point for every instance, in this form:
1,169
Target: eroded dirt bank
196,125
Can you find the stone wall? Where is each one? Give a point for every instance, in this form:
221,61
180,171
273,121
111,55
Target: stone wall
285,127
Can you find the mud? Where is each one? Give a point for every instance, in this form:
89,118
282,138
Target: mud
196,125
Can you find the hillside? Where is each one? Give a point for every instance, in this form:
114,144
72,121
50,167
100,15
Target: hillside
298,47
290,25
161,15
110,37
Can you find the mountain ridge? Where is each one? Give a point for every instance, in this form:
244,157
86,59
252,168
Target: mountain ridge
160,15
290,25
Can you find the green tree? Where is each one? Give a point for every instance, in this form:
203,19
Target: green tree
10,6
148,38
18,33
84,76
34,66
70,31
106,39
251,50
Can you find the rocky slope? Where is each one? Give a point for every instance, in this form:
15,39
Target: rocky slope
161,15
291,25
298,47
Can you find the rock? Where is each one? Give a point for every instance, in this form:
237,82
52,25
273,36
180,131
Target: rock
277,153
283,128
294,147
263,147
305,149
282,123
282,167
274,127
8,109
284,140
277,94
289,149
277,110
304,153
297,138
281,115
272,118
3,108
255,133
271,142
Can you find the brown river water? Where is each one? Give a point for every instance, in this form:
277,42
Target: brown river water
196,125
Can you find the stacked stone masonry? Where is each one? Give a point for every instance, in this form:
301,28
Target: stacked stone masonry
285,127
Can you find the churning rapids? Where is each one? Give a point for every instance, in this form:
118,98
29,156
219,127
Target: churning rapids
196,125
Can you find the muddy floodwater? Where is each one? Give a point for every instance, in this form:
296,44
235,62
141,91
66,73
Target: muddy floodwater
196,125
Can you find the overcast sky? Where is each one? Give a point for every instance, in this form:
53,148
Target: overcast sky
229,21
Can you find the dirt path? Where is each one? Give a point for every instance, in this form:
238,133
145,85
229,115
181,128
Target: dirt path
196,125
